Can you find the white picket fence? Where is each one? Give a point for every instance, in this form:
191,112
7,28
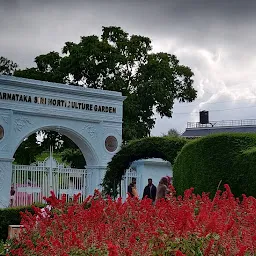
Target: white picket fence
33,182
127,179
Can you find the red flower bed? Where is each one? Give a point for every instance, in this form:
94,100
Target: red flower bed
189,225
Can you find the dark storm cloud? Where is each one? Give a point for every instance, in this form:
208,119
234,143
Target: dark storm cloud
215,38
39,25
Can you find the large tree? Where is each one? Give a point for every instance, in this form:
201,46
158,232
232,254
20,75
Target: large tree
119,62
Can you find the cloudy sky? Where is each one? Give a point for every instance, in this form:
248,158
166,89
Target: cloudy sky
216,38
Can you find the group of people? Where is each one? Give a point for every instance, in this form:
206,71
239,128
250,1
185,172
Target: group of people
151,191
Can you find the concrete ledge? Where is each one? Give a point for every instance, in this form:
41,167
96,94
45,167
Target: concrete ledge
14,231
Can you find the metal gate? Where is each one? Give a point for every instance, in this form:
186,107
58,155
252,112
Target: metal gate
33,182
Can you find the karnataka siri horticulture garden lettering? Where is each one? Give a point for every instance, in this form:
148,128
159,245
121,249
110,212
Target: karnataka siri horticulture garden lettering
188,225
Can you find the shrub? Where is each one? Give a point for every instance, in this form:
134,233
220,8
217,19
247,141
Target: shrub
151,147
2,247
192,225
11,216
246,178
204,162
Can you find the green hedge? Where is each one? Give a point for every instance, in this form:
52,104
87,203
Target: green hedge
246,162
229,158
166,148
11,216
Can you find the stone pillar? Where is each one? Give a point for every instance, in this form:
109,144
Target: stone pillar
96,175
102,172
5,181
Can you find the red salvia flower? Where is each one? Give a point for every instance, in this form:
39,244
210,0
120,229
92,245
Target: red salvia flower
98,226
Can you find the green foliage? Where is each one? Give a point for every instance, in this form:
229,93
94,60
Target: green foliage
117,61
65,150
27,151
46,70
150,147
56,155
228,158
7,67
74,157
191,245
246,162
172,133
2,247
92,251
51,138
11,216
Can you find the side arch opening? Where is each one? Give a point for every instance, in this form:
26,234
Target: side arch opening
52,167
165,148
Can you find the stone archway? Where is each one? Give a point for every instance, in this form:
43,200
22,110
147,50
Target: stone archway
91,118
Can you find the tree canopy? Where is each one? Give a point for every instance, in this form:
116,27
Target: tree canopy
121,62
7,67
113,61
172,133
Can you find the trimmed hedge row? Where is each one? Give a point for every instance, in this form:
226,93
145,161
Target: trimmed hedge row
229,158
11,216
246,163
166,148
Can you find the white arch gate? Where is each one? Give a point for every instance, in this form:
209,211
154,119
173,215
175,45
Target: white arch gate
90,118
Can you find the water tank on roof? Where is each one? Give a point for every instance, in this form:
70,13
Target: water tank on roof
204,117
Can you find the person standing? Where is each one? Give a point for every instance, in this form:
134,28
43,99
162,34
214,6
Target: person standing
12,195
132,191
162,189
150,190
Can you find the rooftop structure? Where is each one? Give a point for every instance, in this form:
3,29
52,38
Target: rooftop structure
197,129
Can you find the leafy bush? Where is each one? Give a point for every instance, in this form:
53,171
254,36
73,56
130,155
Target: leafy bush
2,247
11,216
204,162
246,178
192,225
151,147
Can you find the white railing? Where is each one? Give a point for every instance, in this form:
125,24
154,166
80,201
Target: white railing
223,123
32,183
